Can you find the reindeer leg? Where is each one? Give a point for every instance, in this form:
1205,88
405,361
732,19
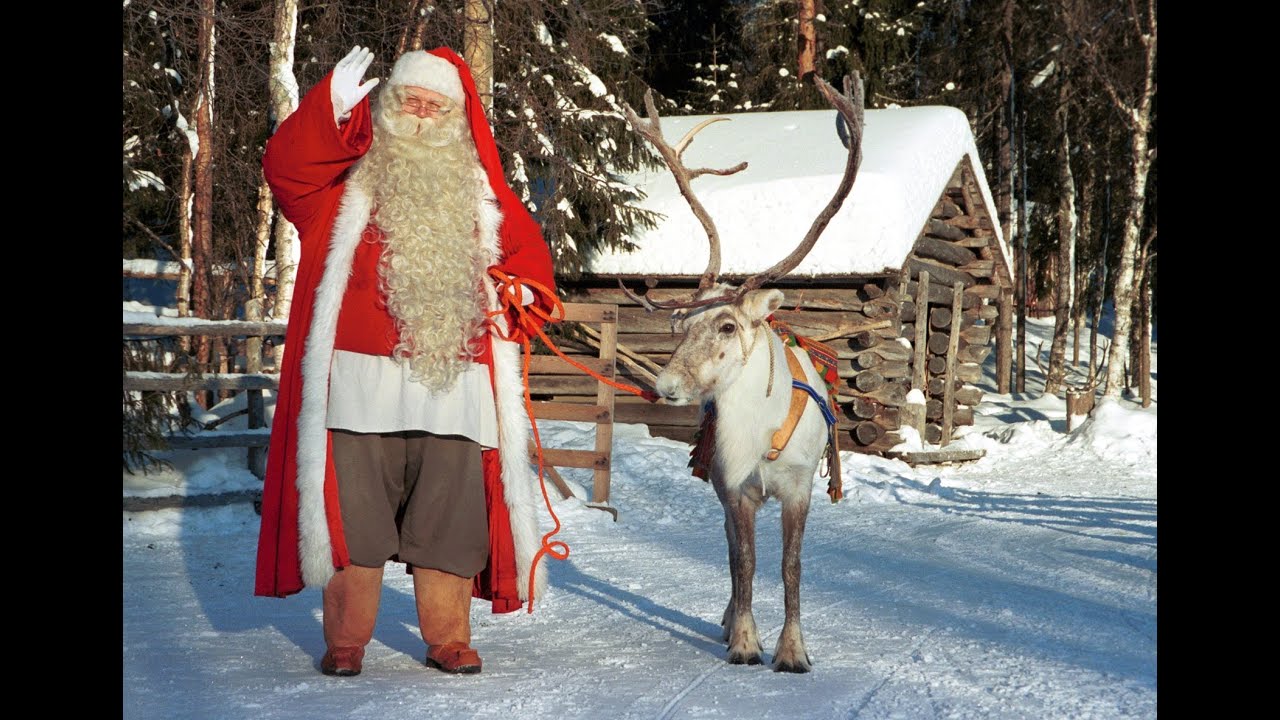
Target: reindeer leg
744,640
790,654
731,542
731,538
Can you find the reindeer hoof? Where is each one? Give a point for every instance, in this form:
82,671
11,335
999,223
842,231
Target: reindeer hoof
744,658
791,667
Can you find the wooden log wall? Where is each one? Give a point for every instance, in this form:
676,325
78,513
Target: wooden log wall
860,322
953,279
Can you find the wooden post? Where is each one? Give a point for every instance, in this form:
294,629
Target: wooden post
1004,342
913,415
919,372
1079,402
601,413
257,459
953,349
604,398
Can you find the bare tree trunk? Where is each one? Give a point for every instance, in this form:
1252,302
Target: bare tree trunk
1140,351
283,86
1100,289
477,48
1085,231
1005,131
411,36
806,40
254,304
1139,116
1020,282
184,232
202,203
1064,277
1144,382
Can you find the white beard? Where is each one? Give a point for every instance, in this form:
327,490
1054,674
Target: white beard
426,184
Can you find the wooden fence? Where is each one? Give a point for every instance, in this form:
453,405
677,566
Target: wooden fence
253,440
257,436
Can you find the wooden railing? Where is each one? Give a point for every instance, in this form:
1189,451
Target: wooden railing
256,438
601,413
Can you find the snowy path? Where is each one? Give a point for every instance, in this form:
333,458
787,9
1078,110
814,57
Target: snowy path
989,595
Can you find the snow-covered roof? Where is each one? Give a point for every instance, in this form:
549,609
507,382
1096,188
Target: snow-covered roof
795,160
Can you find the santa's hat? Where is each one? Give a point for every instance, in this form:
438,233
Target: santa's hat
422,69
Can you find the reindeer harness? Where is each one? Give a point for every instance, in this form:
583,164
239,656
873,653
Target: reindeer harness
824,360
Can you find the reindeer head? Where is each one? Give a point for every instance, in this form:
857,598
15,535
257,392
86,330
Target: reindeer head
723,323
718,341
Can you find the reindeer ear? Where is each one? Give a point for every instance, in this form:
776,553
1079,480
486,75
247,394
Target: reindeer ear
760,304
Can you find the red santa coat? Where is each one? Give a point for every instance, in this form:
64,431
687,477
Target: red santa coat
300,541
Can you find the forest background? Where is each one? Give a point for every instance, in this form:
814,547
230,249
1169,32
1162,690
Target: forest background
1060,96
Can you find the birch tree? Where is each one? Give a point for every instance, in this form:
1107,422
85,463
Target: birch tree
477,47
1064,278
283,90
1122,55
1083,234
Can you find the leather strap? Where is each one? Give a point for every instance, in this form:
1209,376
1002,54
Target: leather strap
799,398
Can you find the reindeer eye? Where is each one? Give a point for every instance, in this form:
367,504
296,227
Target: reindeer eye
728,328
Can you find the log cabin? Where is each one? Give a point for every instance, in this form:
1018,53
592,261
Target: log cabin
910,282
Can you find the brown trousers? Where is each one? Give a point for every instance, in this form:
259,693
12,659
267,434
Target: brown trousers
412,497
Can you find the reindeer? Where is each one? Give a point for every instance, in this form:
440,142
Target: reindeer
730,356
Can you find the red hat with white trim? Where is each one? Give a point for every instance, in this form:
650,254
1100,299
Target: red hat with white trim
420,68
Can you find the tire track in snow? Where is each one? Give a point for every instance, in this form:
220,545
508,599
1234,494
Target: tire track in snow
674,701
915,648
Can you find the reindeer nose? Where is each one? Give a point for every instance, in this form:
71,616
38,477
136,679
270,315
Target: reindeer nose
667,387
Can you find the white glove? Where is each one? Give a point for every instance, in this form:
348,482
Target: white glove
345,87
526,295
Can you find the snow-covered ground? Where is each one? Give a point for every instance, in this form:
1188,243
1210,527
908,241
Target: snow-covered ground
1022,585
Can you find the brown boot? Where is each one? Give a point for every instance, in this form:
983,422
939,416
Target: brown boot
342,661
444,615
455,657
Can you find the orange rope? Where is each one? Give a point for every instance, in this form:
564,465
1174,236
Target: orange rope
527,317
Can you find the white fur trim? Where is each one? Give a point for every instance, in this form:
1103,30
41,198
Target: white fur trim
519,481
314,544
422,69
490,219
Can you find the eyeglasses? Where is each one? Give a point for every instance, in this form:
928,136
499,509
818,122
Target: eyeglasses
414,104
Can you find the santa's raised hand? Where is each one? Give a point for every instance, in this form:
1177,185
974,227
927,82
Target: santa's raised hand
346,87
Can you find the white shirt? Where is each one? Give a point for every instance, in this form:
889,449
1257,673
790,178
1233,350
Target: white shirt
373,394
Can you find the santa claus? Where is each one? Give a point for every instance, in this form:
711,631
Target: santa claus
400,431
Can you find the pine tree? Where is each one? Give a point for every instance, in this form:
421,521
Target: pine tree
561,70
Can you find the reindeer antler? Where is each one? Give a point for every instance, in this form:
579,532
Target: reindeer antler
652,131
850,107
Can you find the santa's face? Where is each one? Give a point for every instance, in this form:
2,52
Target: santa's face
424,103
420,116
